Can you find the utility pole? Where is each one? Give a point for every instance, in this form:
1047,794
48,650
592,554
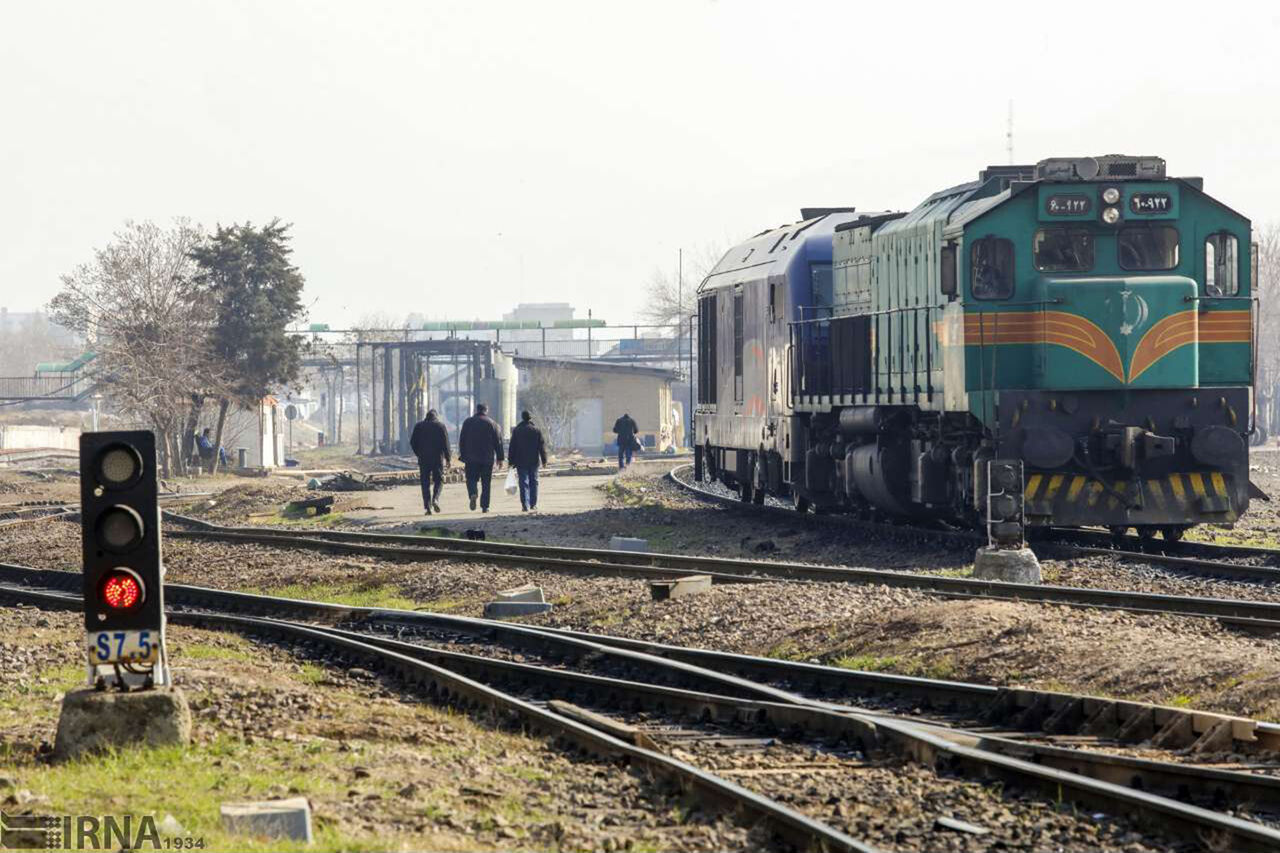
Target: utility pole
680,324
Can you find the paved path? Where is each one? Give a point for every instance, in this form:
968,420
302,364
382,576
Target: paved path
556,495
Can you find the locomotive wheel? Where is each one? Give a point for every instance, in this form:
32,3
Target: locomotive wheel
745,492
800,502
1117,535
757,497
1172,533
1146,532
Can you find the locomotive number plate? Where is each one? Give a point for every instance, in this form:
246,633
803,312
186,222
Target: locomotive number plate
124,646
1073,204
1151,203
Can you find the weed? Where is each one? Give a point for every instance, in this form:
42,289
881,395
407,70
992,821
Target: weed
354,594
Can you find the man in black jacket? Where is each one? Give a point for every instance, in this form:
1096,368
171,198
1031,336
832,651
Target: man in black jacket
479,445
526,450
625,428
430,443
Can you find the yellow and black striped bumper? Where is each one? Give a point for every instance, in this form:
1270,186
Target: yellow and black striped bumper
1182,498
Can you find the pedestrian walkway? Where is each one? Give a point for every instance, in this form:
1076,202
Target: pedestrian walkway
563,494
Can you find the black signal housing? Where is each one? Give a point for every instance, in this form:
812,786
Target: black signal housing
120,529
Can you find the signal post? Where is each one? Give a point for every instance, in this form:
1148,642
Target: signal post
129,698
1006,556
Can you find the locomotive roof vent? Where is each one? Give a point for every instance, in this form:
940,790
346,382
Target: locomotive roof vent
1112,167
807,213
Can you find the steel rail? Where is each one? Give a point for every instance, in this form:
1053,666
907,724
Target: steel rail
1196,557
986,757
451,687
1243,613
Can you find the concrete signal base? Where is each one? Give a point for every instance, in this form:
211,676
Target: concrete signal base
94,720
1013,565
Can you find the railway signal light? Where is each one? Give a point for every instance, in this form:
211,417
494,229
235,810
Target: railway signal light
123,571
1005,503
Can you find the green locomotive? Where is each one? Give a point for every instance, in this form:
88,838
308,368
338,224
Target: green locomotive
1089,318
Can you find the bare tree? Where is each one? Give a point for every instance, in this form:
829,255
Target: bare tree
149,322
671,295
553,402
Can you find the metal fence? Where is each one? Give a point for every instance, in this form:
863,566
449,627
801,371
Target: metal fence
48,386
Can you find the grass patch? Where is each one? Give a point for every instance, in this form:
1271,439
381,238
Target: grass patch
962,572
353,594
447,605
1180,700
621,493
200,651
940,668
190,783
786,649
312,674
302,519
868,663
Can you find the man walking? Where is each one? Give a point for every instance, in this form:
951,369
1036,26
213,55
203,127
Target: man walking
625,428
430,443
526,450
479,445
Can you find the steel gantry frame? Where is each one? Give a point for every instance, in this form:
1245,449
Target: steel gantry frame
399,379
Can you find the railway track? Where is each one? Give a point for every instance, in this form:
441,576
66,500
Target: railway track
27,512
699,685
1200,558
446,686
1240,613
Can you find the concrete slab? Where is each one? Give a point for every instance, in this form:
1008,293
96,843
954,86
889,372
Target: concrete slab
556,495
508,609
95,720
529,593
1013,565
679,588
289,819
629,543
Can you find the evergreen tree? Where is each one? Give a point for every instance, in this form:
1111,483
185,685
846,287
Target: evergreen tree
258,293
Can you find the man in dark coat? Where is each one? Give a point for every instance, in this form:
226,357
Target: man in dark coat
625,428
430,443
479,445
526,450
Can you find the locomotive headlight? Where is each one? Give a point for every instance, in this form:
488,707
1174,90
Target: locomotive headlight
1110,215
1111,195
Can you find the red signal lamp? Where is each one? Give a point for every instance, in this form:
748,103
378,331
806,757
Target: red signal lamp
121,590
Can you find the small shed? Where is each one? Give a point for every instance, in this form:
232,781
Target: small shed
582,398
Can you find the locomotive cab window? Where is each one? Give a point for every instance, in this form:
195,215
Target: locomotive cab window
1147,247
1063,250
991,268
1221,265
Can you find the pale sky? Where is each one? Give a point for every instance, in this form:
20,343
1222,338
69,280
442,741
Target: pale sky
453,159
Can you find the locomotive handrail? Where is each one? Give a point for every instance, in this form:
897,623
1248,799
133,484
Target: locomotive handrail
989,307
978,309
1198,298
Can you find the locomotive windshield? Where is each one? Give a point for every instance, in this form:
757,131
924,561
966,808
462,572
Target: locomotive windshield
991,268
1063,250
1148,247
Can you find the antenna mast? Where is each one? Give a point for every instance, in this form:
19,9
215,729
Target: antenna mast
1008,134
